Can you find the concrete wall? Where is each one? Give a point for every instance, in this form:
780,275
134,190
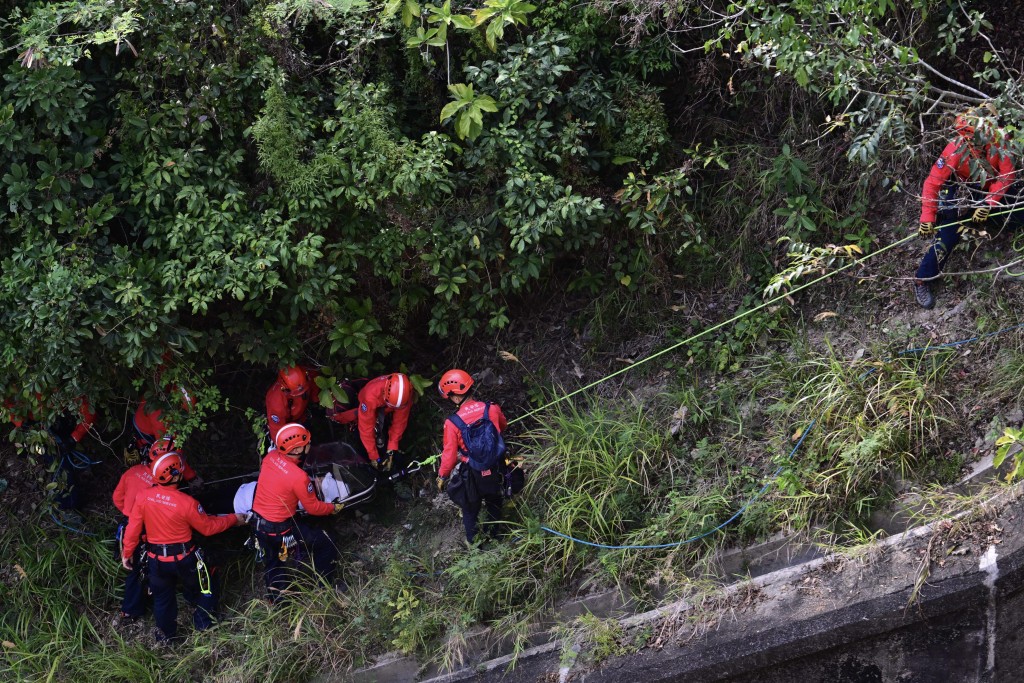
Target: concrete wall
837,620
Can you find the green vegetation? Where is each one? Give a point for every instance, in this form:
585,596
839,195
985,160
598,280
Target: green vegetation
195,190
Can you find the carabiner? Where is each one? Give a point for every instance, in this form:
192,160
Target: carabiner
203,574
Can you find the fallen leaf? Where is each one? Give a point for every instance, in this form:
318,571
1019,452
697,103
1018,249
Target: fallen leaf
9,645
21,572
505,355
824,315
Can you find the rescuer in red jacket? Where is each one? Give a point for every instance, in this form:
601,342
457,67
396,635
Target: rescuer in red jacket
149,424
382,415
281,486
151,430
289,396
941,209
67,430
137,478
457,386
69,427
169,516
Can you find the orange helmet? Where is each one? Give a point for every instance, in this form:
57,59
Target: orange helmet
455,382
161,447
294,380
982,117
291,437
397,390
964,124
167,468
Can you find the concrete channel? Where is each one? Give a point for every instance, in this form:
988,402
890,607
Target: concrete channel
900,611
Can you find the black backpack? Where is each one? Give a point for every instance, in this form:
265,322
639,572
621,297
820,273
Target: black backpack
485,449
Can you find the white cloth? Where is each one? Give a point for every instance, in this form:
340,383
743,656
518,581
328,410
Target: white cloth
333,489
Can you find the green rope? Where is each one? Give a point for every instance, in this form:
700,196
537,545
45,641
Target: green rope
737,317
711,329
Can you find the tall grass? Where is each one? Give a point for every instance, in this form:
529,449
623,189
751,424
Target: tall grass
604,472
876,421
597,469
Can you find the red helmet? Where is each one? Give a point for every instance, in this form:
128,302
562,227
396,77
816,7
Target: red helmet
167,468
454,382
294,380
981,117
161,447
397,390
291,437
964,124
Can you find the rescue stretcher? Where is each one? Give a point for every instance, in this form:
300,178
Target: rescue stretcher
339,474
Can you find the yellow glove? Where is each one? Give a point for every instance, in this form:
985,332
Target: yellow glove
981,214
338,507
971,231
926,229
441,481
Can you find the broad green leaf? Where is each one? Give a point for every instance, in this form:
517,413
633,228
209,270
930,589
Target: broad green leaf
451,108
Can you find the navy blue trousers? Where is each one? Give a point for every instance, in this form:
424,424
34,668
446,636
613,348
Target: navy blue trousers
471,514
314,547
947,238
166,578
134,602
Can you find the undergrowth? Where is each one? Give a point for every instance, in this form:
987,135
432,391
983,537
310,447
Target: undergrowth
631,472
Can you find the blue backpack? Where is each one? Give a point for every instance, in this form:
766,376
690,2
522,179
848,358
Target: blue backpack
485,448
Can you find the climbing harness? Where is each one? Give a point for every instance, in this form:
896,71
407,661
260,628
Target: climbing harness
204,575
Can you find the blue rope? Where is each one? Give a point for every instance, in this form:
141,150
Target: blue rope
951,345
69,528
777,472
703,534
79,460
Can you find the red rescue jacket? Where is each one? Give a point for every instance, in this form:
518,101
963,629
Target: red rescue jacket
85,413
283,409
137,478
371,400
150,421
956,159
470,411
169,516
282,484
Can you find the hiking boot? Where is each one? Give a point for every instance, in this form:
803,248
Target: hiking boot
124,619
923,294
